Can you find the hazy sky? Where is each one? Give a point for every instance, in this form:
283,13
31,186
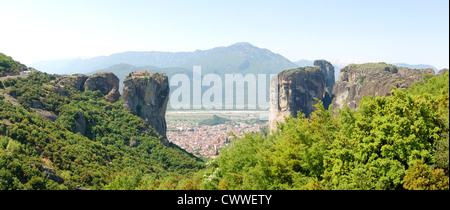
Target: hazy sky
407,31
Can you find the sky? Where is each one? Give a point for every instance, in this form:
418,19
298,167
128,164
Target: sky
393,31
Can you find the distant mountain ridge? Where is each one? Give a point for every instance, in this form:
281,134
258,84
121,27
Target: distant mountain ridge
241,57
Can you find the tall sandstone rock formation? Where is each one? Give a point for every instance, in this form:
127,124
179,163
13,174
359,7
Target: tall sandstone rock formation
294,90
106,82
75,81
328,71
376,79
146,95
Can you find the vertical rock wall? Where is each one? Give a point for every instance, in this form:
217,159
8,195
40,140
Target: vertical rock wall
376,79
296,90
146,95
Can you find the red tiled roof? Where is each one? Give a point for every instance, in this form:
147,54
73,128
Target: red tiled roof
139,73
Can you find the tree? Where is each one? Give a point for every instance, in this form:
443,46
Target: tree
421,177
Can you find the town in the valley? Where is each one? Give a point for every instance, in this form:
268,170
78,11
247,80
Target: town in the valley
186,130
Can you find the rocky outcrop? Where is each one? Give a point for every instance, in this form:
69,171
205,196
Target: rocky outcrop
75,81
113,95
50,174
80,123
133,142
103,81
46,114
293,91
442,72
328,71
146,95
376,79
106,82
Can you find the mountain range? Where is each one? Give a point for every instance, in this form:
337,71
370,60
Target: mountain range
62,132
241,57
238,58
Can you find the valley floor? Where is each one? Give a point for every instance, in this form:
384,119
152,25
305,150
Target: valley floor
183,129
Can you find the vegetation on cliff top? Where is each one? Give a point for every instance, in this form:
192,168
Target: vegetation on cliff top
214,120
8,66
287,73
145,75
380,65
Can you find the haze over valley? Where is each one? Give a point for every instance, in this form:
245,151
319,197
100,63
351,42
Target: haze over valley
224,95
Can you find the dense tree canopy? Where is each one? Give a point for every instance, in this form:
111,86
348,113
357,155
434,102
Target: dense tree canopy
35,153
397,142
8,66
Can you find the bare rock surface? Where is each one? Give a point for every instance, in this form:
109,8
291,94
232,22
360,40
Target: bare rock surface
376,79
146,95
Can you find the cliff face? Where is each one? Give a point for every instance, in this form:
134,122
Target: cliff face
295,91
375,79
107,83
146,95
442,72
328,71
75,81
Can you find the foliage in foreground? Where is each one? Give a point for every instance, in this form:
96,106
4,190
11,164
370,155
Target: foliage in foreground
393,143
397,142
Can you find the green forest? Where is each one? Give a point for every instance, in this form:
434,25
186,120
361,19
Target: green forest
36,153
389,143
214,120
8,66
